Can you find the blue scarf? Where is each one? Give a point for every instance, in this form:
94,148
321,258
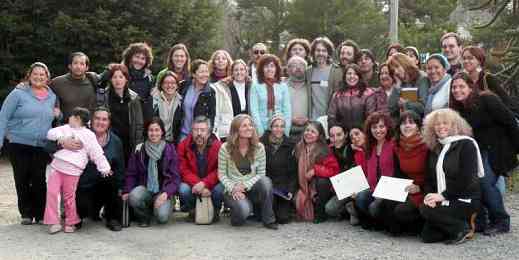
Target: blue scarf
433,89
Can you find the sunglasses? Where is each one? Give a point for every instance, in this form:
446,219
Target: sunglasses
259,52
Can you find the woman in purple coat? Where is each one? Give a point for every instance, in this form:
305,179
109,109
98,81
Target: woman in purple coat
152,176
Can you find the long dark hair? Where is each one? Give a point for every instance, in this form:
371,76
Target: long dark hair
471,100
321,149
361,84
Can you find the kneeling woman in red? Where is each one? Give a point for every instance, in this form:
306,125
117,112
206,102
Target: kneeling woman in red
316,164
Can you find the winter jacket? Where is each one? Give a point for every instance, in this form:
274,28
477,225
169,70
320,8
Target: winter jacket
348,109
327,167
495,130
188,162
461,172
137,171
385,163
224,110
136,119
24,119
281,164
259,110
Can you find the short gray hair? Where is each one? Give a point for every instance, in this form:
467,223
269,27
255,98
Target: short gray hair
202,119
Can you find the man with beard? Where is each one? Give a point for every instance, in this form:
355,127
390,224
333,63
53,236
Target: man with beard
198,155
349,52
324,76
300,91
451,47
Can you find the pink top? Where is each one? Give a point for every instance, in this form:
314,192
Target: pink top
41,94
74,162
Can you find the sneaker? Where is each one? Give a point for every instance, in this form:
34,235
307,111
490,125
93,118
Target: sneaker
69,229
55,228
26,221
496,230
144,224
354,217
460,238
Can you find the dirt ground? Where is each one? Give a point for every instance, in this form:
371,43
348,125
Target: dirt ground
182,240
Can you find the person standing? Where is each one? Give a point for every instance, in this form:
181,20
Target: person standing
300,96
451,48
258,50
77,88
25,117
324,76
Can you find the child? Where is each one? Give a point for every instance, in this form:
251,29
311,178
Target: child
67,166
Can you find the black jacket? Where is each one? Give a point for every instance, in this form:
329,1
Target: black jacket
205,106
281,165
461,172
495,130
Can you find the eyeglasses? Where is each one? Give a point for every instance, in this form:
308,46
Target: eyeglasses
259,52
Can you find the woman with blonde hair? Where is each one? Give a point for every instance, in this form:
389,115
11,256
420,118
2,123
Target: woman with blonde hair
451,189
241,170
220,65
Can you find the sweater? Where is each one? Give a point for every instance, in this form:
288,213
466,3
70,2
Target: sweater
188,162
259,110
78,158
230,176
412,165
383,165
73,92
113,150
24,119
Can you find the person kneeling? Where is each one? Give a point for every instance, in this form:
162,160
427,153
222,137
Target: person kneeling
152,176
241,169
198,155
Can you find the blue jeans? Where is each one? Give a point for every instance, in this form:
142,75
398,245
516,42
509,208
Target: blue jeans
187,199
141,200
492,199
363,200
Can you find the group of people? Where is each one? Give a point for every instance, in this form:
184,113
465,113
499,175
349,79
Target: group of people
262,139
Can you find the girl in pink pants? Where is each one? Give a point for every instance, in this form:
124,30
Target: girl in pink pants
67,166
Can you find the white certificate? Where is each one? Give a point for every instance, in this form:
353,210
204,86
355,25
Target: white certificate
349,182
391,188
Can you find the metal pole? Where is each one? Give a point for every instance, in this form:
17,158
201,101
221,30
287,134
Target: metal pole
393,21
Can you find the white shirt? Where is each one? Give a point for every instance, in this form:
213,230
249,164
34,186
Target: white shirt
240,88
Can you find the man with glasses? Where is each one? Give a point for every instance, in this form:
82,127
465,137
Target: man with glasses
259,49
451,47
300,91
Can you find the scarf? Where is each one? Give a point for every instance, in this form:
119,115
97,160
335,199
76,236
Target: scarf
307,191
167,112
154,152
275,142
411,142
271,99
446,142
442,88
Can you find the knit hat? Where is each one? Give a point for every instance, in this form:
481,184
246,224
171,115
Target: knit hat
439,57
414,50
276,116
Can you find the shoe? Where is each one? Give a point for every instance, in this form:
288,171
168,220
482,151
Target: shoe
191,216
69,229
374,208
79,225
55,228
460,238
496,230
273,225
320,219
144,224
114,225
26,221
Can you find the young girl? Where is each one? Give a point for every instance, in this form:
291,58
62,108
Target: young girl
67,166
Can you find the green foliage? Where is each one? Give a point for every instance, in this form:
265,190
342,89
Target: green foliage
38,30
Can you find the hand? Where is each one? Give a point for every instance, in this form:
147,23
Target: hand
198,188
401,102
238,188
238,195
310,174
205,193
72,144
56,112
412,189
107,174
124,196
160,200
432,199
300,120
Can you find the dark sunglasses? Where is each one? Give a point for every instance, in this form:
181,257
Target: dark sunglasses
259,52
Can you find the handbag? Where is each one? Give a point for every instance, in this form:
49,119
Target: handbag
204,210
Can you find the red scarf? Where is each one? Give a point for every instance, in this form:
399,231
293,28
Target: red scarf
271,99
412,155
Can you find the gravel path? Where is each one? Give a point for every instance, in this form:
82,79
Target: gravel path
181,240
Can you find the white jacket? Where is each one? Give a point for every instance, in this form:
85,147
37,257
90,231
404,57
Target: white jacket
224,110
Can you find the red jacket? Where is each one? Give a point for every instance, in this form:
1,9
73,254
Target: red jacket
327,167
188,166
